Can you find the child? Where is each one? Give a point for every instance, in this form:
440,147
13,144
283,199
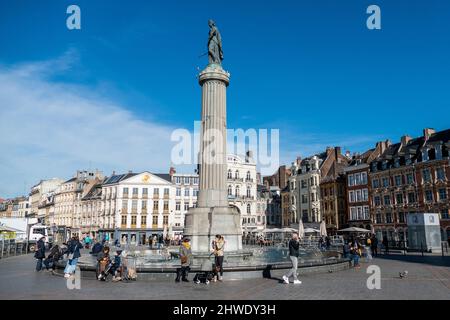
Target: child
116,263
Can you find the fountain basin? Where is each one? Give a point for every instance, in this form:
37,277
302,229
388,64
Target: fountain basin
253,262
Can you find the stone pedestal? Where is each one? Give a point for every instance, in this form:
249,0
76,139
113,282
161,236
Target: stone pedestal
213,215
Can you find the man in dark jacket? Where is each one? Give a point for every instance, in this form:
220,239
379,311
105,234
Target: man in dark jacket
294,250
96,249
40,253
374,245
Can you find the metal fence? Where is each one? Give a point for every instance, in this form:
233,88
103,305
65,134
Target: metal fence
12,247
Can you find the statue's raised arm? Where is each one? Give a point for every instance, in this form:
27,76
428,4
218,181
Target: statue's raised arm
215,52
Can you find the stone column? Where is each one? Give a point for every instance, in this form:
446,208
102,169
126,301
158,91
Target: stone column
213,145
213,215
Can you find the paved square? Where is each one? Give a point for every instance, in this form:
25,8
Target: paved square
428,278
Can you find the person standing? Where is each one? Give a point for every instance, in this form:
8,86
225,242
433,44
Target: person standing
87,242
374,245
73,253
40,253
160,241
218,246
355,250
294,250
154,242
186,257
386,245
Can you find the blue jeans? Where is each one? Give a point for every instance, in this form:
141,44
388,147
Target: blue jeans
38,264
70,266
355,260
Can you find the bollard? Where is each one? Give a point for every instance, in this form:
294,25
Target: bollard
3,246
421,248
442,249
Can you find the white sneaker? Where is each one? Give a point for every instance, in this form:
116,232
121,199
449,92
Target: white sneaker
67,276
297,282
286,279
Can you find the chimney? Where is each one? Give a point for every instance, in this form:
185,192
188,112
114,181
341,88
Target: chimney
337,154
299,160
130,171
405,140
172,171
113,173
348,154
427,132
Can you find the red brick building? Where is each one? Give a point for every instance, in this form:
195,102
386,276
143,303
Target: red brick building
411,176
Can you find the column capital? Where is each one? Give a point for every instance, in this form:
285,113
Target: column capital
214,72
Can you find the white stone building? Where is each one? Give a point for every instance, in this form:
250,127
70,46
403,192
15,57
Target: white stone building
137,206
38,194
67,203
242,192
20,208
305,188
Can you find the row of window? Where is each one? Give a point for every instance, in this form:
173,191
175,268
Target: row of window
411,197
135,191
359,213
186,180
358,195
230,175
187,192
314,198
357,179
237,191
313,181
155,218
399,180
134,205
401,217
260,219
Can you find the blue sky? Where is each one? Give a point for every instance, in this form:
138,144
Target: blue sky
309,68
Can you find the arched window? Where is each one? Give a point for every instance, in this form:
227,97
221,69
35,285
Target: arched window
230,190
237,191
230,174
248,175
236,174
249,192
249,208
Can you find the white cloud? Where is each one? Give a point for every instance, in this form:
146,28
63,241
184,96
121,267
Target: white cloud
50,128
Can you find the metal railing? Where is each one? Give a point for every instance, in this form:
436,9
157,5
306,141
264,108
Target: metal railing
10,248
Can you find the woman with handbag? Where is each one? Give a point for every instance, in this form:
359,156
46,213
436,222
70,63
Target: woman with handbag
186,257
73,253
218,246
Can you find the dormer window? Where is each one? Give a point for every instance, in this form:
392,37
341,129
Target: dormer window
374,166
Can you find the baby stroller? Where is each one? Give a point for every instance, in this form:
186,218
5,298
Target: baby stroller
207,273
104,274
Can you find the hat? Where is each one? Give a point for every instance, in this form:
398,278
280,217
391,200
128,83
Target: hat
186,239
119,252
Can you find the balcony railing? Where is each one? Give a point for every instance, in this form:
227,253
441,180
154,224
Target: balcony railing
236,179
